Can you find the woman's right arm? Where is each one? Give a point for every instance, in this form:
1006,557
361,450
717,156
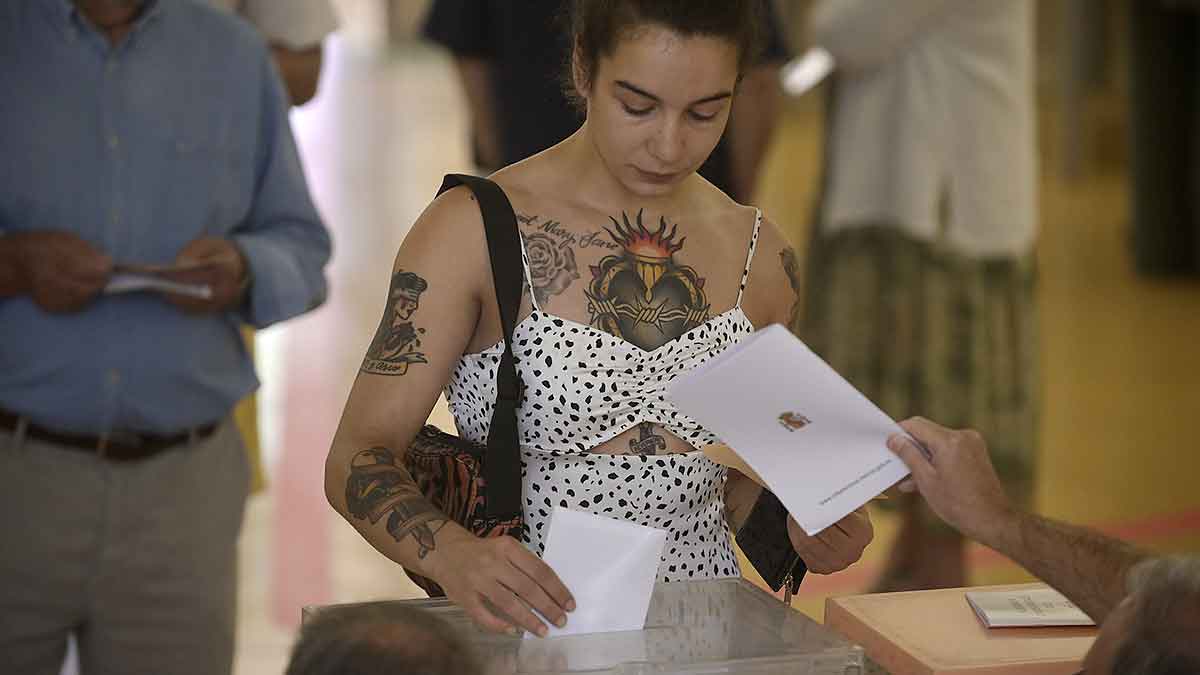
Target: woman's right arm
435,303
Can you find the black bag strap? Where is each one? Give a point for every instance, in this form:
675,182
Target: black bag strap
502,470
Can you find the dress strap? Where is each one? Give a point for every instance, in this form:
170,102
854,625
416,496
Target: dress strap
528,275
749,256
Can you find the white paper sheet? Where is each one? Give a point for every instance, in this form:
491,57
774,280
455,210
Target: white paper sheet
128,283
818,443
608,565
175,278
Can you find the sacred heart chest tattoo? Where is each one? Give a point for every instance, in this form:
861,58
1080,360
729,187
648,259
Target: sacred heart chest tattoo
642,294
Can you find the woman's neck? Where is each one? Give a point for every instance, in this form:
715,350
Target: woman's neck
593,184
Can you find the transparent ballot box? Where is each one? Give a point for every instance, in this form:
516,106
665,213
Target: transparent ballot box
692,628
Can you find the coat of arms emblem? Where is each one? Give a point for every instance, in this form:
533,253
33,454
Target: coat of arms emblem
794,421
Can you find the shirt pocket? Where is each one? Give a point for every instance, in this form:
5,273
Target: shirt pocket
204,180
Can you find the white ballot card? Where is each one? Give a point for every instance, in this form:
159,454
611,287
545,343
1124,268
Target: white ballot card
1026,607
817,442
608,565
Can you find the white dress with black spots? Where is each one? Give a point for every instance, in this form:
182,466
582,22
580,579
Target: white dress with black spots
583,387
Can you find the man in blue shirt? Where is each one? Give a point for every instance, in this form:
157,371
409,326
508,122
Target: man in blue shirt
135,132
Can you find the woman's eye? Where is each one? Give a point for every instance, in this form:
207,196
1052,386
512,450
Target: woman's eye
637,112
702,118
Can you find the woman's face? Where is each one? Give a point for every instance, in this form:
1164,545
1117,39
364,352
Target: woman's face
658,105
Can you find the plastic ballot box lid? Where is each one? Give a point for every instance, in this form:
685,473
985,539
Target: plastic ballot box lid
692,628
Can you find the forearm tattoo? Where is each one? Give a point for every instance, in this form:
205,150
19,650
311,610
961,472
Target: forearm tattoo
378,485
792,268
642,294
397,343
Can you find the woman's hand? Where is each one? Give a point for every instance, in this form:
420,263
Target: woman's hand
497,580
836,547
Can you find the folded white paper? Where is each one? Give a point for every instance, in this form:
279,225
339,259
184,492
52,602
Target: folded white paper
608,565
1030,607
125,282
817,442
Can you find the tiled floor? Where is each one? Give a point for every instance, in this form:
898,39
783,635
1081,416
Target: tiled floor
1120,357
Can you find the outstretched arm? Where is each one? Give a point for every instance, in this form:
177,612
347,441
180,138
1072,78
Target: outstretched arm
961,486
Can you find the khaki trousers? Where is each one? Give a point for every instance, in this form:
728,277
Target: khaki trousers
137,559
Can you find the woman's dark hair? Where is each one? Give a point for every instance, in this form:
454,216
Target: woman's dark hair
597,26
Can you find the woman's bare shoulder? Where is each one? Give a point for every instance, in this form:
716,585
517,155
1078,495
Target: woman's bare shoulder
450,231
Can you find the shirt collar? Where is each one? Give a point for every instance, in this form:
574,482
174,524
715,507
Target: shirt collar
67,15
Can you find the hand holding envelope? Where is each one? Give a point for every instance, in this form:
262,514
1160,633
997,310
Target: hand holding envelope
609,566
836,547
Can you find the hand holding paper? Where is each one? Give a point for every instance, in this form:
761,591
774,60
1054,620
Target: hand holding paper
836,547
213,262
608,565
60,271
955,476
818,443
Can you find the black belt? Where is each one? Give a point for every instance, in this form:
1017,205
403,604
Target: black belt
120,446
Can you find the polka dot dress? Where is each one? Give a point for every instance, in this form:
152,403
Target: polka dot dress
583,387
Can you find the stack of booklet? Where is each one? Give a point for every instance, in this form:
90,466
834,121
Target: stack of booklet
1026,607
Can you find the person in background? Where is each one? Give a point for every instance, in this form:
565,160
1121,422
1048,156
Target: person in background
1164,118
382,638
510,56
122,479
1148,608
294,30
920,274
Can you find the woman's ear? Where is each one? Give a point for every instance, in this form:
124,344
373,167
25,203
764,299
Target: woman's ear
580,75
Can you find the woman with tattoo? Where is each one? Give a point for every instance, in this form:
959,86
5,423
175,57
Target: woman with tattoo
637,270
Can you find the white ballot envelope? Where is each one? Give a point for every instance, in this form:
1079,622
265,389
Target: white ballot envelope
817,442
1026,607
608,565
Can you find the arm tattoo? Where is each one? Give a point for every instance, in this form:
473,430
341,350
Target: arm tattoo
642,294
397,344
792,268
380,486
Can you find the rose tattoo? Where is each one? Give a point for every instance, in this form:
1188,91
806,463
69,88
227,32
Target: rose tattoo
551,266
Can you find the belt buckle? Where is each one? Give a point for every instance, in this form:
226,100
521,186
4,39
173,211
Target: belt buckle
118,436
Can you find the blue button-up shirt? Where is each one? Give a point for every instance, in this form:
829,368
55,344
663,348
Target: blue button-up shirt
177,132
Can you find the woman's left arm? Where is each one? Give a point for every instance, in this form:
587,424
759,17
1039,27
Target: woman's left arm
774,294
741,493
